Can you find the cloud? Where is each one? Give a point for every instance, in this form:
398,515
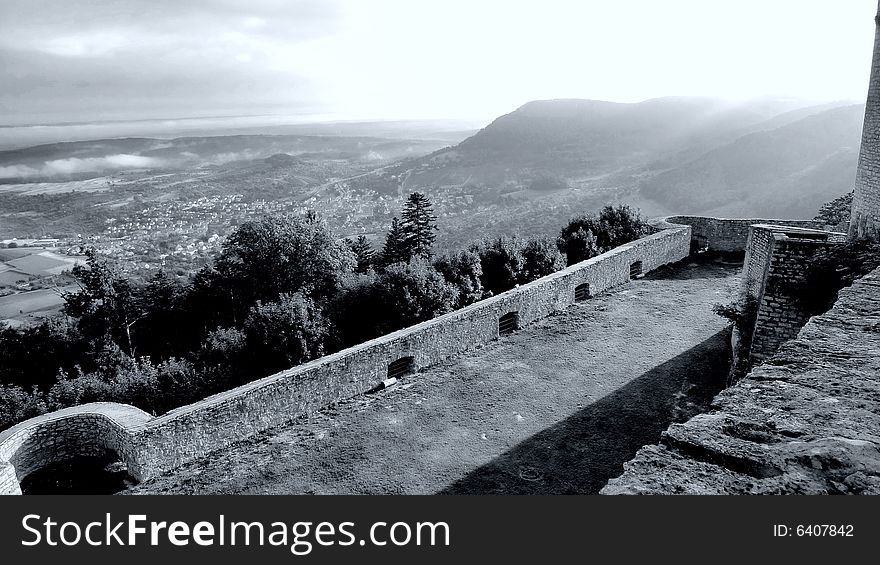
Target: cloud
64,60
17,172
75,165
89,60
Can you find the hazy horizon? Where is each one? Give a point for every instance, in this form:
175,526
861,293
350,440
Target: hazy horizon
340,60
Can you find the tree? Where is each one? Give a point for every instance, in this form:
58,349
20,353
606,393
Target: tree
363,252
107,304
540,258
16,404
396,248
578,244
419,224
276,255
463,270
31,355
587,235
357,312
164,304
285,333
501,261
411,293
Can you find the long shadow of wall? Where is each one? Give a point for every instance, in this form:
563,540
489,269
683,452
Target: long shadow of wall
581,453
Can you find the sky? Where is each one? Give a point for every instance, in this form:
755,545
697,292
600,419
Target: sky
90,60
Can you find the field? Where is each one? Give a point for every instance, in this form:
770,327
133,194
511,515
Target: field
23,264
26,306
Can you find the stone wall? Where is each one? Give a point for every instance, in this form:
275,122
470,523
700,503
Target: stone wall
776,259
151,446
88,430
865,220
722,234
805,422
758,251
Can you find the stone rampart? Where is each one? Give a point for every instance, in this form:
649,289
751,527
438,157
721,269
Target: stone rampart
151,446
724,234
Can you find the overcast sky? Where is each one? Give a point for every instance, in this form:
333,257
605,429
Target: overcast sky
83,60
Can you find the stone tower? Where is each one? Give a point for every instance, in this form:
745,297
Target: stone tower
865,219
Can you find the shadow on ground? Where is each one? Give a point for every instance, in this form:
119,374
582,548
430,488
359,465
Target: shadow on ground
694,267
581,453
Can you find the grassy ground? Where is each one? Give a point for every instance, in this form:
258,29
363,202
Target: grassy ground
555,408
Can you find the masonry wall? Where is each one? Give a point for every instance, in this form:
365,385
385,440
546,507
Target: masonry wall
726,235
151,446
779,316
865,220
776,261
758,252
88,430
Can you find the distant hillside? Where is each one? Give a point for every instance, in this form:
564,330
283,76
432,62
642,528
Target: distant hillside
790,170
695,155
574,133
579,140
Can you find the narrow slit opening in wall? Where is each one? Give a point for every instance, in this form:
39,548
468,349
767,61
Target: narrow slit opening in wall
635,270
582,292
508,323
402,367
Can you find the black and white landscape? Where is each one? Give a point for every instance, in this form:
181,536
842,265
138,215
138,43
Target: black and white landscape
436,231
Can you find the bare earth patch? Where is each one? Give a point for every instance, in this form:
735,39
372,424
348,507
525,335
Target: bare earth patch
556,408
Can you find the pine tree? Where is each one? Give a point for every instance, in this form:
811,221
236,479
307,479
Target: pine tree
419,224
364,253
397,249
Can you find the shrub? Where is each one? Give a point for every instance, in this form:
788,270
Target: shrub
17,404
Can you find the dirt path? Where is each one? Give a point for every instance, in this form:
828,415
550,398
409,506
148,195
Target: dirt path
555,408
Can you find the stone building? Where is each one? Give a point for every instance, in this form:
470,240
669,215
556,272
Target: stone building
865,218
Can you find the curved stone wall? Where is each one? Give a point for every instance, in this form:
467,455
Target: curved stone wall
87,430
151,446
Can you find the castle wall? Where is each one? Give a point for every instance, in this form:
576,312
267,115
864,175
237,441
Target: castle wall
776,260
865,219
151,446
8,479
758,251
88,430
723,234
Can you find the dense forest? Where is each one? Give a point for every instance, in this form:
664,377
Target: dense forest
282,291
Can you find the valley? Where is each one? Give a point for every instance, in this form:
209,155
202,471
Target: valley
169,203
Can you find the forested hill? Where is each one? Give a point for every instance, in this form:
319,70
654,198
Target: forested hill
698,153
